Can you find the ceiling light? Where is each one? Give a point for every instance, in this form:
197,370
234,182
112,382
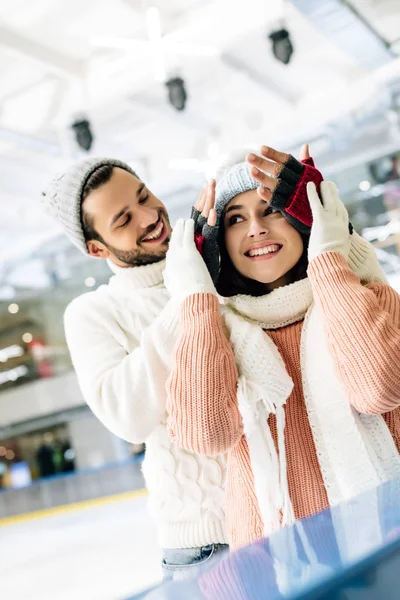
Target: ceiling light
176,92
27,338
11,352
83,134
364,185
10,454
13,309
13,374
282,46
90,282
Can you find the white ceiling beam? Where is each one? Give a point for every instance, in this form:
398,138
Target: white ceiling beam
53,61
268,85
29,142
56,101
349,30
186,119
364,152
23,89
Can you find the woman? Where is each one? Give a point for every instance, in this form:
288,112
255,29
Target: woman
299,381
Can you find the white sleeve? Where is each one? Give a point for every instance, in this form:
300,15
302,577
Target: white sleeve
126,391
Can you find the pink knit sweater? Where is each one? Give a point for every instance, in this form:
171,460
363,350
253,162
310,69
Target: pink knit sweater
363,329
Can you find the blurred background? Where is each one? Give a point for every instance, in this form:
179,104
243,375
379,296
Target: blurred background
173,87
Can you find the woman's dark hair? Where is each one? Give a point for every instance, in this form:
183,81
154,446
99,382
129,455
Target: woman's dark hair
231,283
98,178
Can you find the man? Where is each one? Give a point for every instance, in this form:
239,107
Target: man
119,337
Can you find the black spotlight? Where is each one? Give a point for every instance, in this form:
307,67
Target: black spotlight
282,46
83,134
176,92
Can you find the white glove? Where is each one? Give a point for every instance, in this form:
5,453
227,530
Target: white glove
185,271
330,228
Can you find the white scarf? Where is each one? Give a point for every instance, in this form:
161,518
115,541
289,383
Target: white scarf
355,451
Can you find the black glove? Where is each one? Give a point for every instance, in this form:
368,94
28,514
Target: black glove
207,242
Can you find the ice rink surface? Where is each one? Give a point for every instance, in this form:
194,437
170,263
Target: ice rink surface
104,552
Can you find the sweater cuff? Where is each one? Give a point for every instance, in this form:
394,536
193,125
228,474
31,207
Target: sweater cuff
168,320
199,304
329,268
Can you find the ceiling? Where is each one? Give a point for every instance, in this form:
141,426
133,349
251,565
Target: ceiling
56,64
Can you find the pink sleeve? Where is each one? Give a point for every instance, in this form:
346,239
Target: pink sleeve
203,414
363,328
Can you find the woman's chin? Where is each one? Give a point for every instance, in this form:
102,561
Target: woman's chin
274,281
266,278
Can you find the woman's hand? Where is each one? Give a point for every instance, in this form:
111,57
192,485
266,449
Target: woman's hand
185,271
330,229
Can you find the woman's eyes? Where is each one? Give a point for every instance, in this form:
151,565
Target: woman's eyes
144,199
237,218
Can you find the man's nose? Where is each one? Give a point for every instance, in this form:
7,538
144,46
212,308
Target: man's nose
147,217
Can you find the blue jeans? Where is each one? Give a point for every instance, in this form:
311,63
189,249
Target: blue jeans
184,563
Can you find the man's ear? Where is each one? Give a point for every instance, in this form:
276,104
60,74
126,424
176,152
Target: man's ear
97,249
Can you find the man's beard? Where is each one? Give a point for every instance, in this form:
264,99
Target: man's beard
138,257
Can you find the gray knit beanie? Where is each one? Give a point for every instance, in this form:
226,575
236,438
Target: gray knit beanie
234,181
62,198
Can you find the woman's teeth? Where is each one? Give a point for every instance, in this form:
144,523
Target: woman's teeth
156,233
265,250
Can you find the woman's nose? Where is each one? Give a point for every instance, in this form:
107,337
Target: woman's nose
257,228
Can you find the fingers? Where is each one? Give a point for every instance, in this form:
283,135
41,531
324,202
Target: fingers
330,197
264,165
279,157
177,234
265,194
194,214
304,152
201,199
209,199
336,203
267,167
188,232
265,180
314,200
212,218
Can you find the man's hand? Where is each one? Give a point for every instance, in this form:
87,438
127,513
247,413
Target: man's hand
284,183
203,211
205,231
305,153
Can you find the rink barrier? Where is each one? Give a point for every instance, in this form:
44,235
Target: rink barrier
68,508
70,489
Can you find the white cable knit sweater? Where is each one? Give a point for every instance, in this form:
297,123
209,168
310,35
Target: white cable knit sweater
121,342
